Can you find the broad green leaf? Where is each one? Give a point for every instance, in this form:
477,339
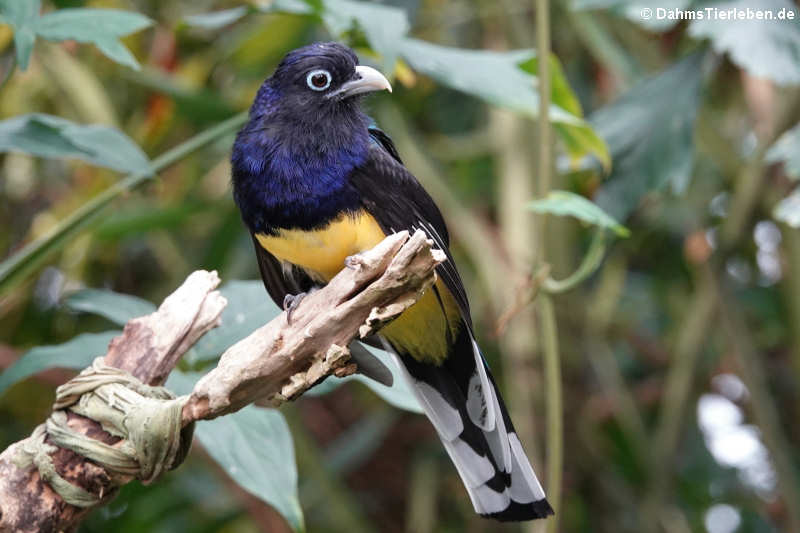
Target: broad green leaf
398,395
36,253
101,27
77,353
788,209
116,307
786,150
765,48
497,77
384,26
216,19
565,203
650,132
255,448
655,15
22,16
249,307
49,136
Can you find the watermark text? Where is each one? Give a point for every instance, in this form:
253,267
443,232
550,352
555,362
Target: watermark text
716,13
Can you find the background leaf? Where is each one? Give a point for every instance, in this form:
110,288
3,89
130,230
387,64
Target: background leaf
497,77
249,307
22,16
788,209
216,19
49,136
565,203
254,447
116,307
766,49
101,27
77,353
650,132
786,150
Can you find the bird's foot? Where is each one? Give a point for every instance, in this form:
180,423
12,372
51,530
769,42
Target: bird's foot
353,262
290,303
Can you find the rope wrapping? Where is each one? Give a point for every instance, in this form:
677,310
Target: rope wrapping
146,418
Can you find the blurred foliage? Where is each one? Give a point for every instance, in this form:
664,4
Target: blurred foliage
689,139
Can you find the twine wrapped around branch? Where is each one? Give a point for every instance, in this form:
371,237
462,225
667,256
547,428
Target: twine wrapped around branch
147,420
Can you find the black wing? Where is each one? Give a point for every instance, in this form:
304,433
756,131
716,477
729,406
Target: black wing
397,201
279,281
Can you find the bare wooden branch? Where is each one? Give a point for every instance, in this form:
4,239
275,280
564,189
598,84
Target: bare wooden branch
278,362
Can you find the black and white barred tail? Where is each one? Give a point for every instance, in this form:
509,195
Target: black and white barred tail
464,405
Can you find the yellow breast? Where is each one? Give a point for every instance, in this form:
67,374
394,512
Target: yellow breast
424,331
322,252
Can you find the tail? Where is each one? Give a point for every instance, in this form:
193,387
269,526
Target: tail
464,405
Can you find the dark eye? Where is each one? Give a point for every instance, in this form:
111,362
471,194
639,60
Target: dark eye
318,80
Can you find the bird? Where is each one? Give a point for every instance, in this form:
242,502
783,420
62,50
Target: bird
316,181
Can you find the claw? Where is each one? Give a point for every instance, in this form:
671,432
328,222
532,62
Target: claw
290,303
352,262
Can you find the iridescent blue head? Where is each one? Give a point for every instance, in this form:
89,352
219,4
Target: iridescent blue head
305,135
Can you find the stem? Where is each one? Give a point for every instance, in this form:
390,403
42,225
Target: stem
543,53
555,426
590,262
549,328
32,255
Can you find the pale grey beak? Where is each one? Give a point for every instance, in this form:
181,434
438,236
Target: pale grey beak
367,79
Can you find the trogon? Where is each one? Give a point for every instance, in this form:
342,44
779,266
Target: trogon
316,182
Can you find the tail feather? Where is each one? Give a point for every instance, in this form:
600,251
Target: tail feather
464,405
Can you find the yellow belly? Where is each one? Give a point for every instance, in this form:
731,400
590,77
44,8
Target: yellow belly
322,252
423,331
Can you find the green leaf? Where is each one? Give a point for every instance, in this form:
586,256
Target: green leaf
249,307
788,209
101,27
650,133
565,203
497,78
398,395
786,150
116,307
383,26
216,19
77,353
49,136
579,140
650,14
254,447
22,16
34,254
765,48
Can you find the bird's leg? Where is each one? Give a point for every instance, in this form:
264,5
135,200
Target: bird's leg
290,303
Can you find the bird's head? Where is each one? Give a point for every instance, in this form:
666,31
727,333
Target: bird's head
317,80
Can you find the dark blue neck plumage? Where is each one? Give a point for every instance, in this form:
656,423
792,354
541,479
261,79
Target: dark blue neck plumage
290,170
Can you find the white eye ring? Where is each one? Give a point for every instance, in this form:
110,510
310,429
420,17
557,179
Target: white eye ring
313,74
